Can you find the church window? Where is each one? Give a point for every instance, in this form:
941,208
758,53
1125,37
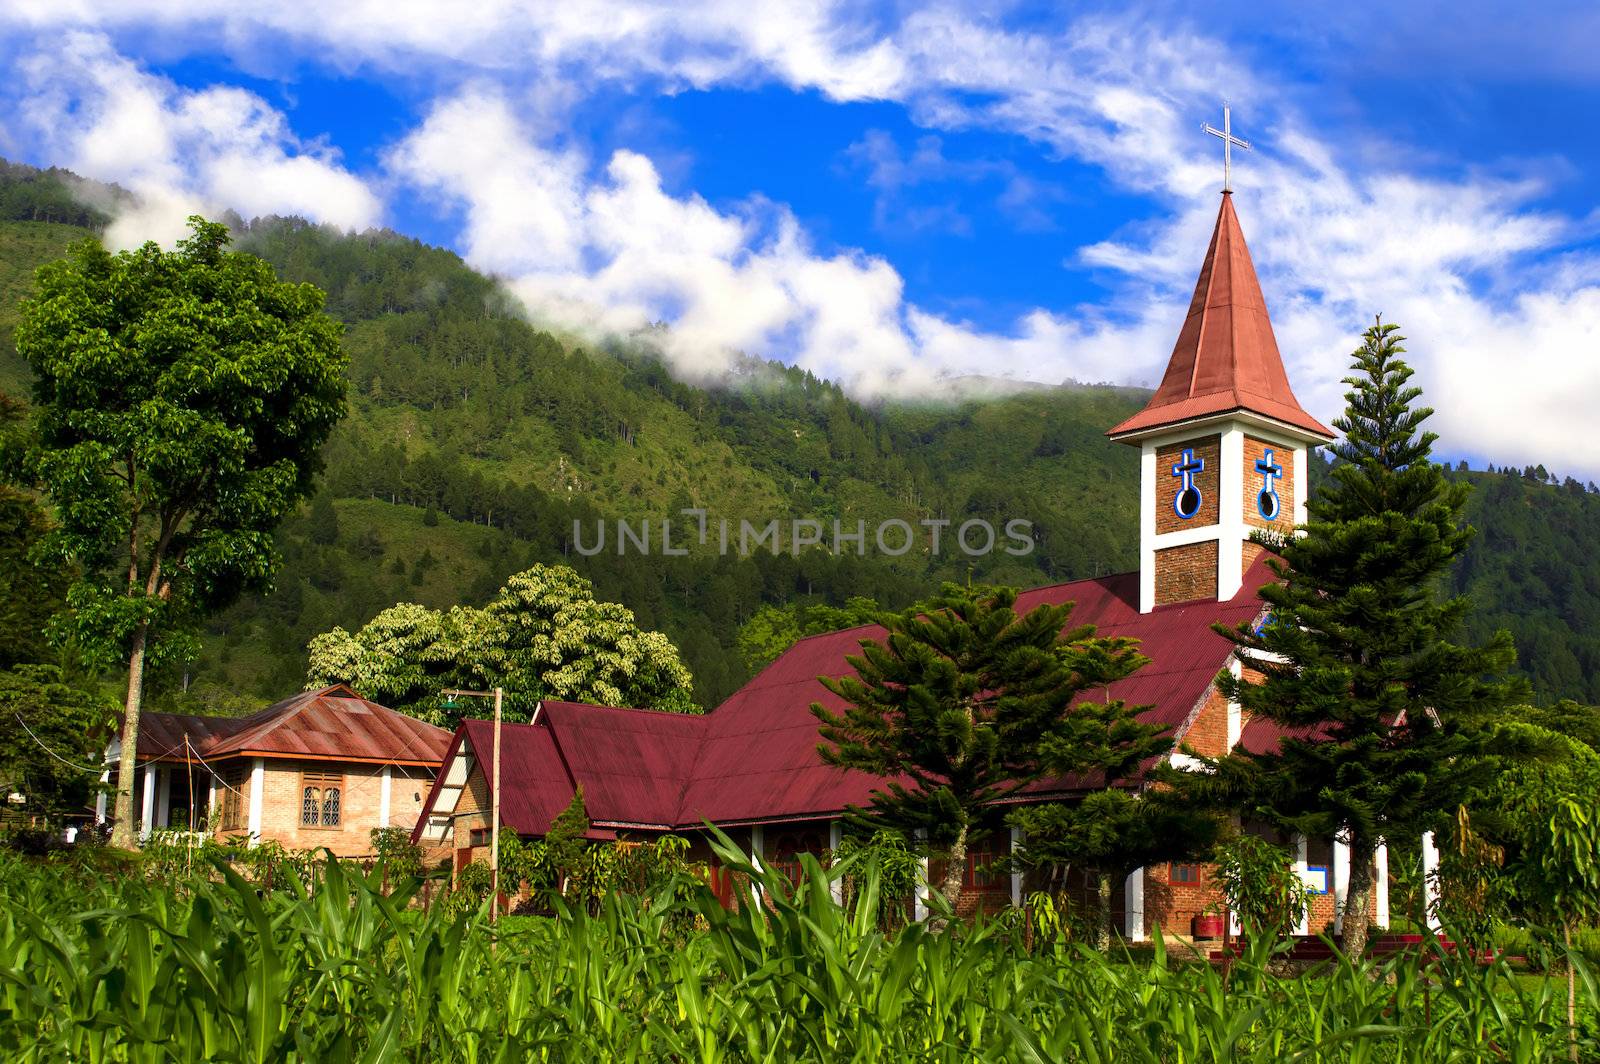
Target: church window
981,873
1267,502
1186,502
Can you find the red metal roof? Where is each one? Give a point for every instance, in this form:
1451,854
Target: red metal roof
333,723
1226,357
634,764
535,785
755,758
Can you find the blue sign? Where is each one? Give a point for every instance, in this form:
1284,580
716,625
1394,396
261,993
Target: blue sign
1186,503
1267,499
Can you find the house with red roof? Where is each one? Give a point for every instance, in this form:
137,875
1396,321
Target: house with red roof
1223,453
320,769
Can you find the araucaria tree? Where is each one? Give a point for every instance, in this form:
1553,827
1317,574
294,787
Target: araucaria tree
181,398
966,702
1383,711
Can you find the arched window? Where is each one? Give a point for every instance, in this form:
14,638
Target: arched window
320,799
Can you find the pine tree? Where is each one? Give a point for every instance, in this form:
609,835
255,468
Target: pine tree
1382,710
965,703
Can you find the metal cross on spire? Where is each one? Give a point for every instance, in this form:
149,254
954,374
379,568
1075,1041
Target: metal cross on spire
1229,142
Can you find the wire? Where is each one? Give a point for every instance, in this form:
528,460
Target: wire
52,753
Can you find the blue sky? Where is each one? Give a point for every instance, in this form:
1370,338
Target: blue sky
897,197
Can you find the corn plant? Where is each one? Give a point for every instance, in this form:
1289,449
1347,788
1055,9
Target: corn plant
338,964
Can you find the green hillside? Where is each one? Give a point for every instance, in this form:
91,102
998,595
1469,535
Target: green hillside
476,439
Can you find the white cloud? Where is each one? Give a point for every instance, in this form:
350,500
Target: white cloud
92,110
1504,345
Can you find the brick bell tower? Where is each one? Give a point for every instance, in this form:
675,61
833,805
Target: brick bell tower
1223,441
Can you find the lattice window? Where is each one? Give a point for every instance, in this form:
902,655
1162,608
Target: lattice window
320,797
1184,873
231,782
980,872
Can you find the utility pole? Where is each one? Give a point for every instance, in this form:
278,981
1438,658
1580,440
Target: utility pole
494,828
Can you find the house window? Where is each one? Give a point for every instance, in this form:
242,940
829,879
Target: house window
479,837
232,782
981,873
1184,873
320,793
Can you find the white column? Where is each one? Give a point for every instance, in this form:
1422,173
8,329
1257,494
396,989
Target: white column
758,845
100,799
1382,875
1341,882
1300,483
163,797
147,815
258,786
1235,711
384,788
1133,906
1300,866
1230,514
1430,882
835,840
920,912
211,806
1147,527
1016,873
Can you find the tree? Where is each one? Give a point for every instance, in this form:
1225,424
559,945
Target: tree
965,703
1537,817
181,400
544,635
51,737
1109,833
773,629
30,592
322,526
1381,710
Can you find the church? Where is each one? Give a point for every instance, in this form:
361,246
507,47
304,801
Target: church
1223,447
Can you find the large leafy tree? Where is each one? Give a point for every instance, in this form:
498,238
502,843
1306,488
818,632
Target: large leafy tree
181,400
966,702
51,737
31,590
1382,710
544,635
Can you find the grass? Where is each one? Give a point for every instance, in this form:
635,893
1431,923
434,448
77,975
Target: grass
331,968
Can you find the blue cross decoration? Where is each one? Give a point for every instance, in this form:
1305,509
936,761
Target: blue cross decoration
1267,501
1186,503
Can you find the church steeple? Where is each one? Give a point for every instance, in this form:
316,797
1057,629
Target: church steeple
1226,357
1223,439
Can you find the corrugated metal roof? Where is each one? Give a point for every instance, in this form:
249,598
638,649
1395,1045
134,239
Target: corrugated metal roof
333,723
755,757
634,764
1226,357
535,786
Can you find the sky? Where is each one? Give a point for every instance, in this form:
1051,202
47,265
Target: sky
898,196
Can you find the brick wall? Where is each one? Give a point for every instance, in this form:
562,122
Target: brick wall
360,793
1284,458
1209,450
1208,734
472,810
1173,905
1252,551
1186,573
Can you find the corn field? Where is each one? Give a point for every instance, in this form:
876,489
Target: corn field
331,968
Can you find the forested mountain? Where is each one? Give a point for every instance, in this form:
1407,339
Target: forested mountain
476,439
